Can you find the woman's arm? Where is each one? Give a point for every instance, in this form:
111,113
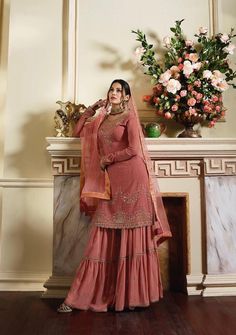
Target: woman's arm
80,124
89,112
131,150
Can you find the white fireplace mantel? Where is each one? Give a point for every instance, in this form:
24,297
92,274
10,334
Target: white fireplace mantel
160,148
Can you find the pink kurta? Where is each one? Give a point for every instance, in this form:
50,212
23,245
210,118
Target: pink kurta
131,204
120,267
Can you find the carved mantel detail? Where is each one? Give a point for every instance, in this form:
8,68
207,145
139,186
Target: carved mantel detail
177,168
220,166
65,166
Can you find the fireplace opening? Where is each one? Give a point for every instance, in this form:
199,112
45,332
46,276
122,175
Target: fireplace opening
173,253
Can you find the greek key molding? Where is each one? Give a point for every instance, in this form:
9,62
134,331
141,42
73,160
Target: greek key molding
220,166
177,168
66,166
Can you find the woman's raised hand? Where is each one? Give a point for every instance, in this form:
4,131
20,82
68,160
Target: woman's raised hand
98,104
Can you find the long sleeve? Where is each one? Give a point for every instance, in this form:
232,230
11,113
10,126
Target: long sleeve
131,150
80,124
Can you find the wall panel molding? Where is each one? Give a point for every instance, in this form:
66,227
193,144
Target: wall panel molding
25,183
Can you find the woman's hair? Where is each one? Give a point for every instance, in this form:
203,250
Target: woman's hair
124,85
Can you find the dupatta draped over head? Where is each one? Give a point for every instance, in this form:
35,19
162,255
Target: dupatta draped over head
95,182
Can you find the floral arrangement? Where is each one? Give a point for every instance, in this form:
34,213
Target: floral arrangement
190,77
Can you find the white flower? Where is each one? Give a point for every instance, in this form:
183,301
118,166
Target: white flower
166,41
224,38
164,77
217,75
230,49
188,68
189,43
218,81
173,86
203,30
207,74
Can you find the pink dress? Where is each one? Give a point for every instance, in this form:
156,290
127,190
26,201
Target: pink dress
120,267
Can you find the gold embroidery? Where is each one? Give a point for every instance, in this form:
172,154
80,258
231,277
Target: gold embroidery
149,251
130,198
114,213
105,132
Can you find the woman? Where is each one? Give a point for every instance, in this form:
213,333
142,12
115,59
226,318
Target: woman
120,267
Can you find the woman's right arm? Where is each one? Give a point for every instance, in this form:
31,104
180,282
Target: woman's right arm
80,124
89,112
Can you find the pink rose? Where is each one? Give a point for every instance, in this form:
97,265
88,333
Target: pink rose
181,66
180,59
214,98
190,88
174,108
197,83
217,108
168,115
156,100
191,102
183,93
211,124
189,43
199,96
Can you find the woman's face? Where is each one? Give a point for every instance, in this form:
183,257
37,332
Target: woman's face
115,94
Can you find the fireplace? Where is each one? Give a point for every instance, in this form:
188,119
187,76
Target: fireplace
196,176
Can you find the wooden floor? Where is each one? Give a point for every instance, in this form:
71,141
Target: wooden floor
24,313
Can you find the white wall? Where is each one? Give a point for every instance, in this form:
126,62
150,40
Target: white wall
31,82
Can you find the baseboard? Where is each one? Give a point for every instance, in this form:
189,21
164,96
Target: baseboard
22,281
219,285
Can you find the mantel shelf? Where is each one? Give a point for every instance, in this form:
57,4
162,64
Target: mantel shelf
160,148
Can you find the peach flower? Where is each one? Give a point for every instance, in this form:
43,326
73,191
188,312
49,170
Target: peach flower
164,77
193,57
191,102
